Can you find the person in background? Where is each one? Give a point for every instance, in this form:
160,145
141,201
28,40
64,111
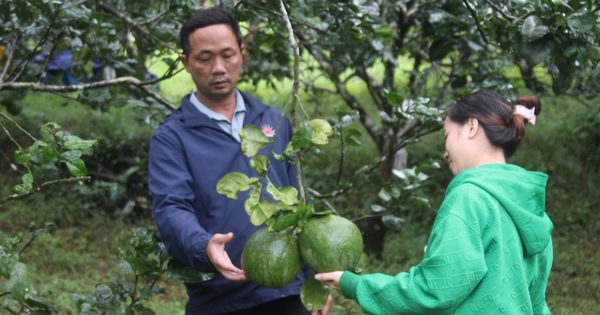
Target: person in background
490,248
192,150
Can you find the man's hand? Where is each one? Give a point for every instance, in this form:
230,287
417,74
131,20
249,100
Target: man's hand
215,250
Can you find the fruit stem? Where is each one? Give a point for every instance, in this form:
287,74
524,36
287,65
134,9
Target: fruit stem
295,87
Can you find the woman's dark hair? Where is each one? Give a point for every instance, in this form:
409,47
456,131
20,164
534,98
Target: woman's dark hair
496,115
207,17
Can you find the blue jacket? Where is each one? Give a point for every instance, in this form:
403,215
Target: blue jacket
189,154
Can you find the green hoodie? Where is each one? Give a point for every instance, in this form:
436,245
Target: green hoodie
489,252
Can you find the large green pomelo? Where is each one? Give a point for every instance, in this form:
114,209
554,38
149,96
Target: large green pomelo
330,243
271,259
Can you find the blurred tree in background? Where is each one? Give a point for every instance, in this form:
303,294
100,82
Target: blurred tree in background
411,57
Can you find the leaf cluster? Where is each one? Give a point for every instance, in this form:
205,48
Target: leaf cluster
147,260
17,294
288,207
46,156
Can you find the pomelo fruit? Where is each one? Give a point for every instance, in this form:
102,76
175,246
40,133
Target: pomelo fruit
271,259
330,243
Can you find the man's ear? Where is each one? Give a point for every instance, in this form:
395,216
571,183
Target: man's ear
473,125
184,60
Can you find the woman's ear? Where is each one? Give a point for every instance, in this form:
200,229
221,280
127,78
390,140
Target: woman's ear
473,125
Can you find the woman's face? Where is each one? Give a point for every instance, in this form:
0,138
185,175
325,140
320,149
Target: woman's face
456,153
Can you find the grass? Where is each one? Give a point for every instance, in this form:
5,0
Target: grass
74,259
83,254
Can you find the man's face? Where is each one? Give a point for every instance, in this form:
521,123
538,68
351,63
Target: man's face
214,61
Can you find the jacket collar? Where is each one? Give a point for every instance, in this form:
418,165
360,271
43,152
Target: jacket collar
192,117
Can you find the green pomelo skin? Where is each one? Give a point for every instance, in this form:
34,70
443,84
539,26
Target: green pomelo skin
330,243
271,259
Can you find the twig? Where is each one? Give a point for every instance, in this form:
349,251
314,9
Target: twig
504,14
295,88
11,54
318,195
474,15
43,186
18,126
370,168
107,8
9,309
142,85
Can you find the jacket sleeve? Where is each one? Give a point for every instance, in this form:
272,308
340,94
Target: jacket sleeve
170,183
453,266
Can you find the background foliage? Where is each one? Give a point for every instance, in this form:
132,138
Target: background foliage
381,72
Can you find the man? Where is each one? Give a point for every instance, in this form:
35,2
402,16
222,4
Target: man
192,150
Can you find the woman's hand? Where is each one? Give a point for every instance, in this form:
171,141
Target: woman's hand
215,250
331,279
325,309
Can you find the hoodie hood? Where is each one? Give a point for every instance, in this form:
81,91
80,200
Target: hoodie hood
522,194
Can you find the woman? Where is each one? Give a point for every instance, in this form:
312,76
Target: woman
490,249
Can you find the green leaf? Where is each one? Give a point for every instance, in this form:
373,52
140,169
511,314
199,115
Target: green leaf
71,155
302,137
395,99
560,5
38,306
138,308
230,184
19,283
375,208
260,164
49,153
262,211
77,167
392,222
252,201
76,143
440,48
353,137
284,222
26,186
288,194
537,51
314,294
188,274
533,28
321,131
419,201
563,79
582,22
22,157
253,140
7,263
48,131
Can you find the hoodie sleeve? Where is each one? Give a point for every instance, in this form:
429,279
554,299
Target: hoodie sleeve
453,266
172,196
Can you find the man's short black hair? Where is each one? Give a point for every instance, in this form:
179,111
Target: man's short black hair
207,17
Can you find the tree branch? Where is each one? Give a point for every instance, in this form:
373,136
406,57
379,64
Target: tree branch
295,87
43,186
477,23
499,10
10,54
107,8
370,168
348,98
142,85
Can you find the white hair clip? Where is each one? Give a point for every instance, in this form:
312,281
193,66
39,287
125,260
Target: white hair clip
528,113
